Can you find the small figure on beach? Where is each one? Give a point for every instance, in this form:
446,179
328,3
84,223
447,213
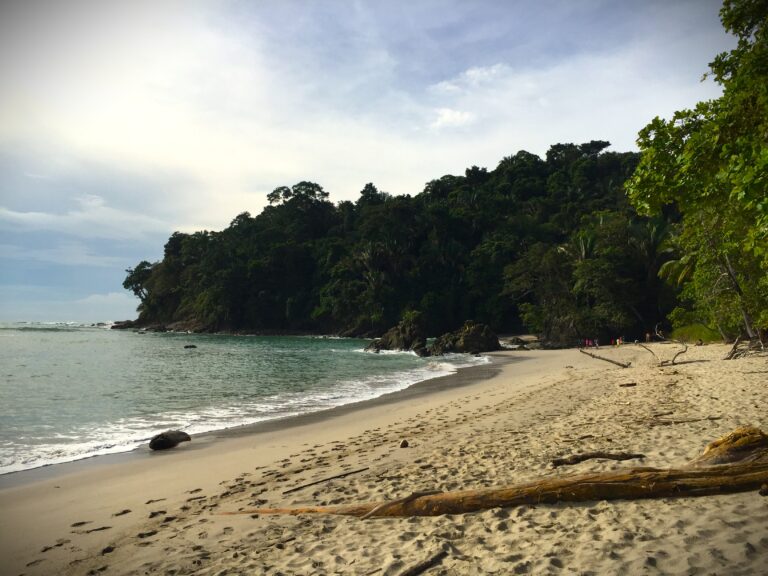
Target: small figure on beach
647,336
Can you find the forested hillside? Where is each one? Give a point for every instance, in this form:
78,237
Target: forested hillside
549,245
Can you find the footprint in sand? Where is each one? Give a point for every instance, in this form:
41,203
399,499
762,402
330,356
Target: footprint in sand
59,544
99,529
81,523
121,513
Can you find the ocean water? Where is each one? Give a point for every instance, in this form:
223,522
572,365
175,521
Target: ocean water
71,391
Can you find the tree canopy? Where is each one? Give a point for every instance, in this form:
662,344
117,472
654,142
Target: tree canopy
549,244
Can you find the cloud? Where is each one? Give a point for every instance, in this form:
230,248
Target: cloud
233,99
92,218
607,95
449,118
472,78
65,253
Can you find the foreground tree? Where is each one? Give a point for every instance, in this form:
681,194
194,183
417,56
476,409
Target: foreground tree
711,164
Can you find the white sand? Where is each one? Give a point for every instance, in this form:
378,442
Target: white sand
494,432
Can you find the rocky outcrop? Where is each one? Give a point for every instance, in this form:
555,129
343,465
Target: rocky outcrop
409,334
123,324
169,439
472,338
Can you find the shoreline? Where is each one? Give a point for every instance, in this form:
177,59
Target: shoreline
462,377
128,450
162,514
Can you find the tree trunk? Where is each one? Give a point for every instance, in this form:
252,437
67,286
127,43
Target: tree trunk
737,287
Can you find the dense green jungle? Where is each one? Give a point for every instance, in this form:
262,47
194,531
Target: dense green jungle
582,243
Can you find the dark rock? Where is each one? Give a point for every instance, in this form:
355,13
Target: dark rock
409,334
404,444
472,338
190,346
124,324
763,490
168,439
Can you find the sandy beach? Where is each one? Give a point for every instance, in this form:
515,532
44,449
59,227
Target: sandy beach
493,425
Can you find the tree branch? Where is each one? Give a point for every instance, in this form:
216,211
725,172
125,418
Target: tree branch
343,475
627,365
577,458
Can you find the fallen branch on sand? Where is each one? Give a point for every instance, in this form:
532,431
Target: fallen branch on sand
737,462
732,351
422,567
664,338
342,475
622,364
651,351
742,348
683,421
577,458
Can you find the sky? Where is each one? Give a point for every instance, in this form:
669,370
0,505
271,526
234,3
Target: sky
124,121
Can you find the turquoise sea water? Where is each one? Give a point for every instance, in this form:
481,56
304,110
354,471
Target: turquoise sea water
70,391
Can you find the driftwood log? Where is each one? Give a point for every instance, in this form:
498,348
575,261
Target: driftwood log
742,348
578,458
664,338
316,482
737,462
622,364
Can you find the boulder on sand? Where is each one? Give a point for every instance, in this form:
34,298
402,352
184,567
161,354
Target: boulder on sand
169,439
471,338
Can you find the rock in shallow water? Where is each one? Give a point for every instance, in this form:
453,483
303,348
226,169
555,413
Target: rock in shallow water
168,439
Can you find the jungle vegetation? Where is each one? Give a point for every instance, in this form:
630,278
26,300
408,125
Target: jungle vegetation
582,243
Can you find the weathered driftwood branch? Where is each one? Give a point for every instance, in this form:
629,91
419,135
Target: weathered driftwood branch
735,463
577,458
430,562
732,351
684,421
408,498
662,337
743,348
622,364
649,350
681,352
343,475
